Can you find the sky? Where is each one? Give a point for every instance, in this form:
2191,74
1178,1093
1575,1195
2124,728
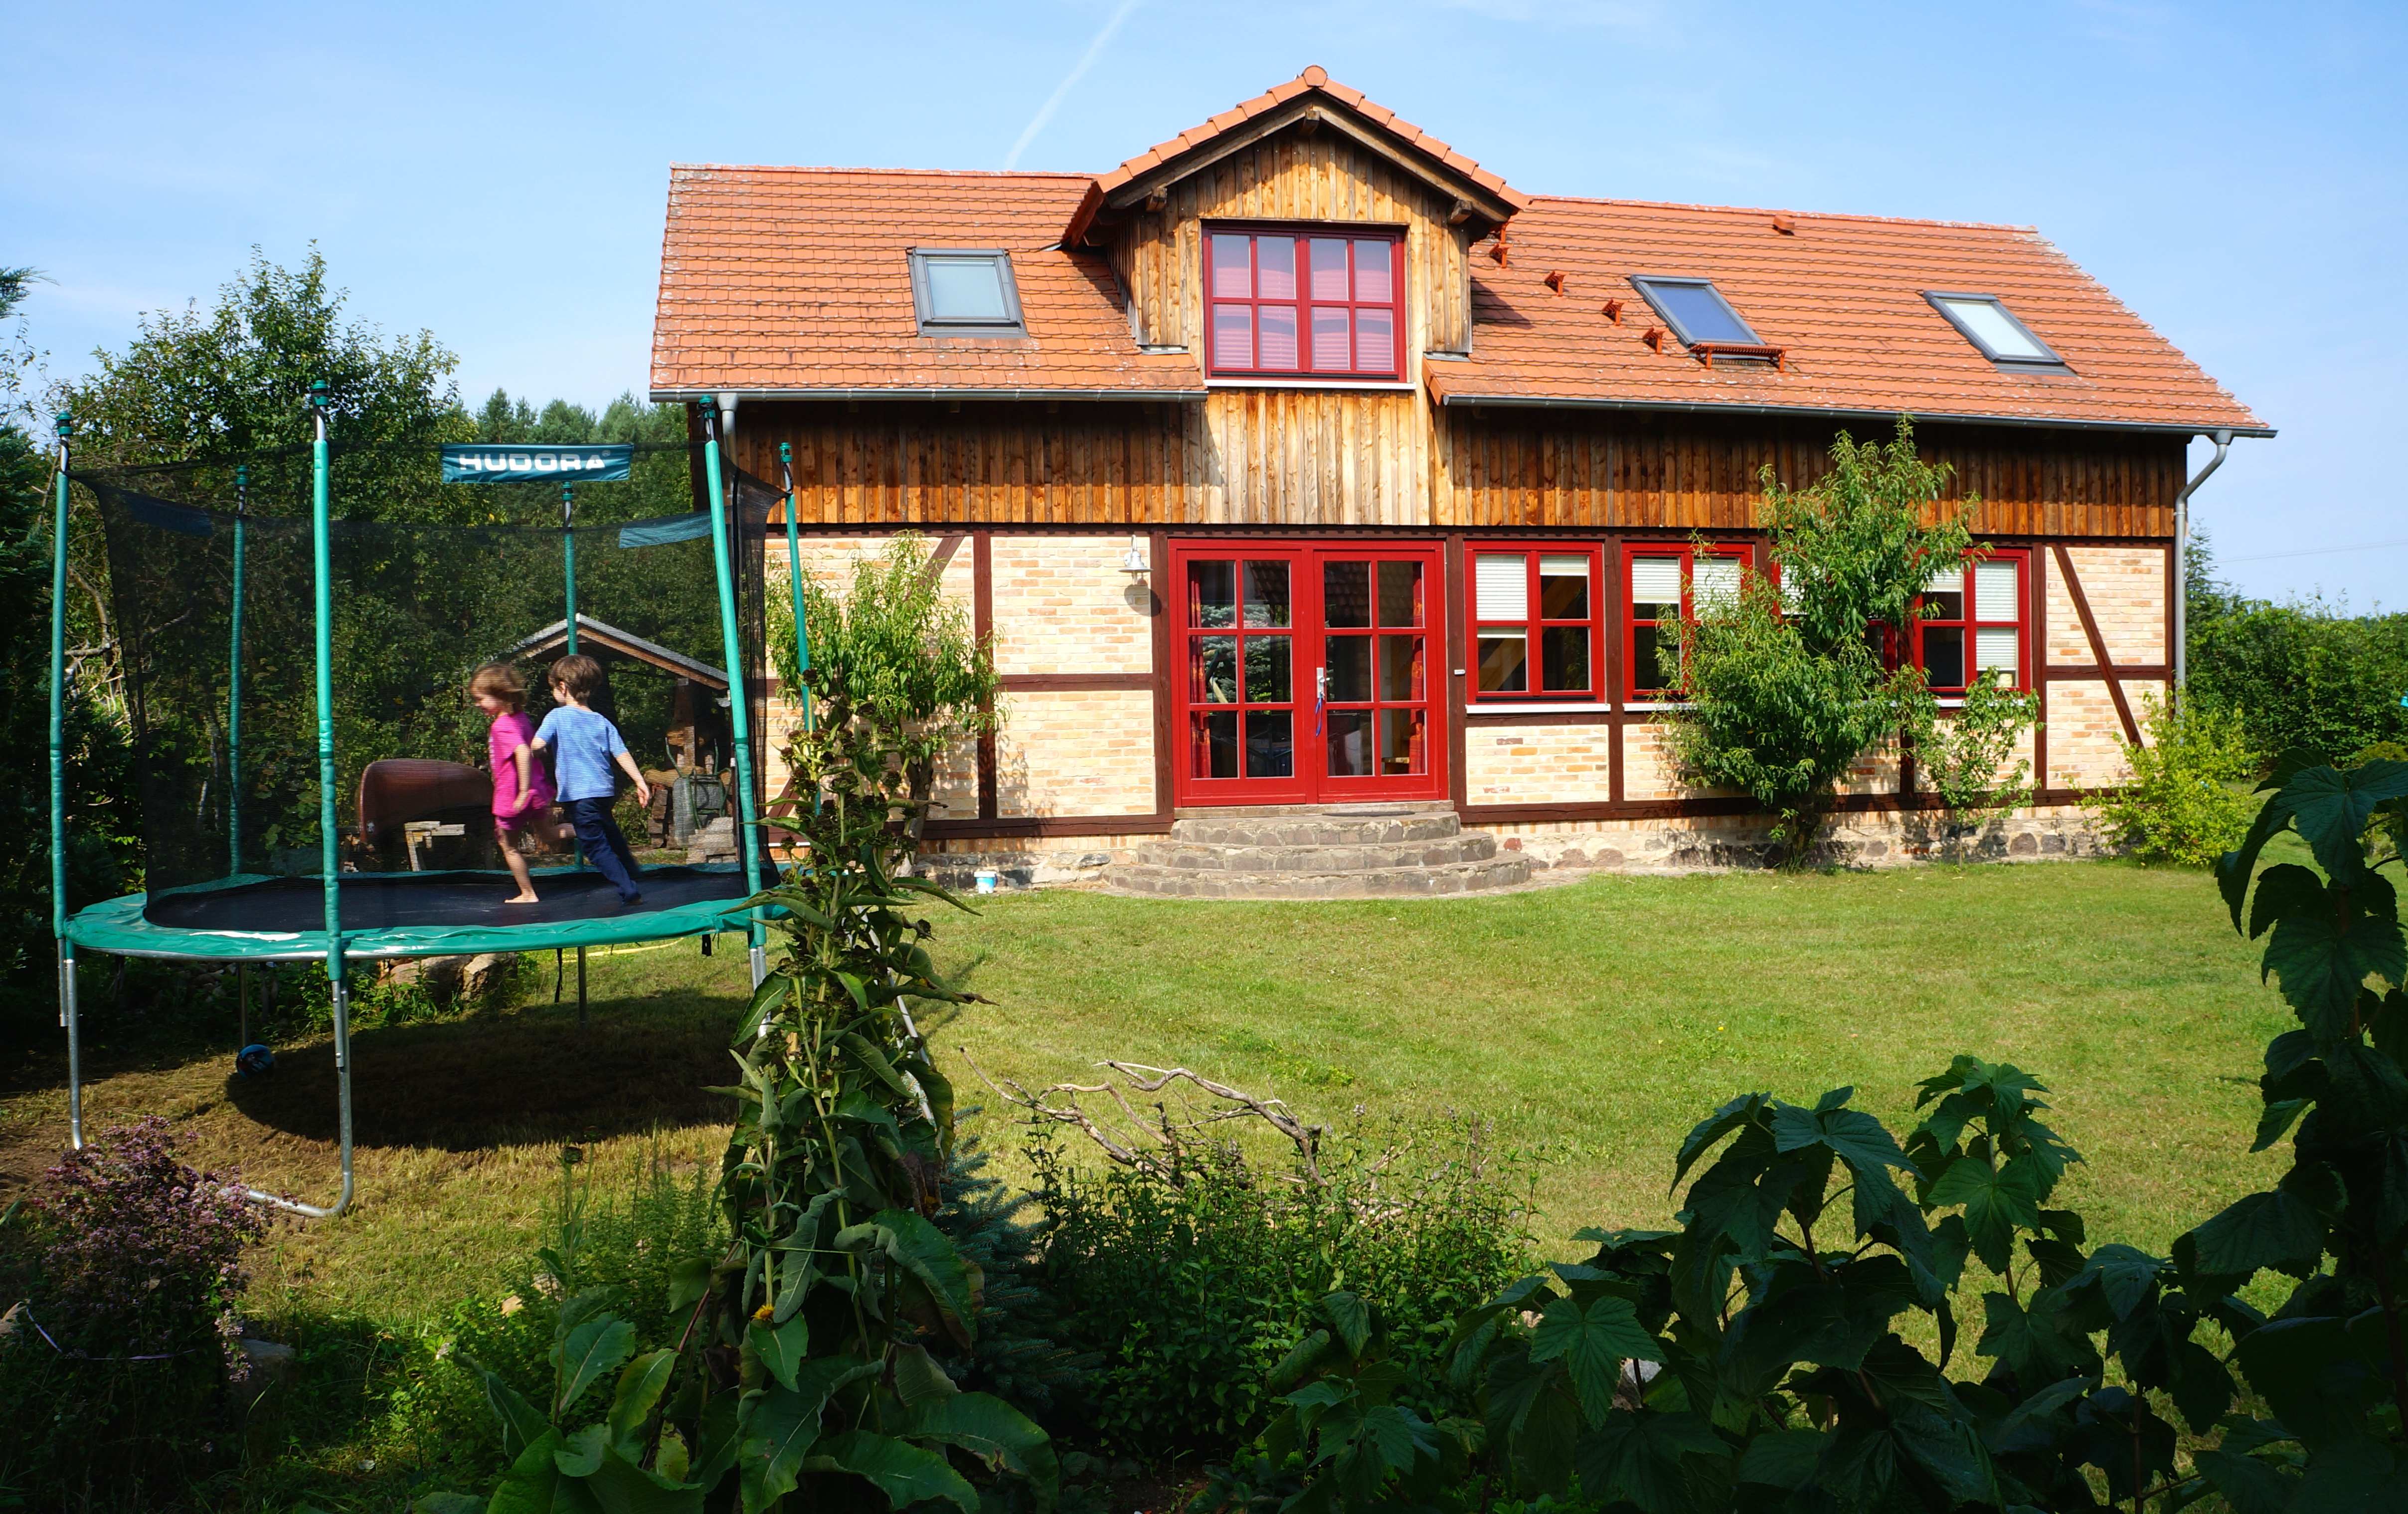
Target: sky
495,173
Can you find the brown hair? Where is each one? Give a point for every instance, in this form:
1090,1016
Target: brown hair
501,681
578,674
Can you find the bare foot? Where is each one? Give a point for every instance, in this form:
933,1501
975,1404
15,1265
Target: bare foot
524,899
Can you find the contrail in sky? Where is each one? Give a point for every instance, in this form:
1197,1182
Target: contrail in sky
1078,71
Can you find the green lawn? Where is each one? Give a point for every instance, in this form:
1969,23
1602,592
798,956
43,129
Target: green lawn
1596,1021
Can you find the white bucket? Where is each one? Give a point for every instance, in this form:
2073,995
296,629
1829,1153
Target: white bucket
986,879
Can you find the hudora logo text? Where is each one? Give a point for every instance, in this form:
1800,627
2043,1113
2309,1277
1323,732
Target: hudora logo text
532,462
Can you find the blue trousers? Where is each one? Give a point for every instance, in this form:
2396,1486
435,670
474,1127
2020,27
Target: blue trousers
606,847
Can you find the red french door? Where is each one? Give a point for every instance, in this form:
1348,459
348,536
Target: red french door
1307,673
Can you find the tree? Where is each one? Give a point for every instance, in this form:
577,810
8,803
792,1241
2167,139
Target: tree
1786,687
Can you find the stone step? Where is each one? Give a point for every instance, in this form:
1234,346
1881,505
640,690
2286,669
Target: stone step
1374,882
1352,856
1368,826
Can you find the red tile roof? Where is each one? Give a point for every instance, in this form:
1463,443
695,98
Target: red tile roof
796,278
1842,293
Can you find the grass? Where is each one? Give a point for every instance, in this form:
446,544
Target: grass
1594,1022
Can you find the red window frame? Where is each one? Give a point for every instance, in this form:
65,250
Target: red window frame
1971,622
1535,623
1302,301
1628,604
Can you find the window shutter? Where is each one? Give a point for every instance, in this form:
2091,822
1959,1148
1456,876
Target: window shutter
1501,586
1994,592
1656,579
1996,647
1563,565
1715,581
1945,581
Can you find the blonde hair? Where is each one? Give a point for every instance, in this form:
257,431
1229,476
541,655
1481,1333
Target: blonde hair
501,681
578,674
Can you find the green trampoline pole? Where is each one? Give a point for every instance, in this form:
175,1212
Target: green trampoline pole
568,561
794,581
234,682
329,850
67,1017
732,649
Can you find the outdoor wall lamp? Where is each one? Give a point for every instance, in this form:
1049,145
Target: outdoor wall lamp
1133,562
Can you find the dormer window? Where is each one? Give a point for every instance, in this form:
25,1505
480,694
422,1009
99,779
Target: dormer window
1304,303
1984,320
965,292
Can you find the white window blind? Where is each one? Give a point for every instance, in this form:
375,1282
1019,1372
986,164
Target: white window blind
1994,592
1945,581
1501,585
1656,579
1563,565
1997,647
1715,581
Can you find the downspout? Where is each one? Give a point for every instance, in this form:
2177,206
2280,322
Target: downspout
2223,440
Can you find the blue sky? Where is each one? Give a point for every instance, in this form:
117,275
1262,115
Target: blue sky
495,173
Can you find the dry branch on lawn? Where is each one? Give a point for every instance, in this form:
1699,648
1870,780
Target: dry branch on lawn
1177,1136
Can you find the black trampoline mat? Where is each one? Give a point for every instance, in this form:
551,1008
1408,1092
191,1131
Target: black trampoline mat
400,901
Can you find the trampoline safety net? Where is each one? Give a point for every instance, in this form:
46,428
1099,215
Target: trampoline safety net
211,586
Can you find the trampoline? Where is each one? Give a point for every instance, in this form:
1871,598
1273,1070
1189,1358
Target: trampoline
274,648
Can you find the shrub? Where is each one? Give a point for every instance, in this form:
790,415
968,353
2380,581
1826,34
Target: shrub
2186,802
123,1275
2303,675
1192,1281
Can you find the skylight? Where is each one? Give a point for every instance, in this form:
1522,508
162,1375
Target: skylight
965,292
1986,322
1697,311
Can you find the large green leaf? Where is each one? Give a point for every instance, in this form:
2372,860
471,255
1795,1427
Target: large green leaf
917,1376
923,1251
523,1423
905,1473
640,1393
2249,1485
1592,1340
534,1484
1730,1116
993,1431
2327,940
2277,1229
1351,1319
592,1351
1638,1457
621,1487
1998,1202
2331,807
782,1348
2039,1340
779,1424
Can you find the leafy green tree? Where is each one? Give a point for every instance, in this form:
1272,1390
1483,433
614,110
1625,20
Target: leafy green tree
1785,688
2188,801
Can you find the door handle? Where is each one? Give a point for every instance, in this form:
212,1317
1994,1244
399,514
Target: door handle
1320,696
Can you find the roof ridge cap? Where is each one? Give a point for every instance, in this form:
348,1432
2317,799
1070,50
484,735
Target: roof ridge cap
855,168
1815,215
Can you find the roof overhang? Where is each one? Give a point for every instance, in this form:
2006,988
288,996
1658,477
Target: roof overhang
1313,109
671,397
2051,422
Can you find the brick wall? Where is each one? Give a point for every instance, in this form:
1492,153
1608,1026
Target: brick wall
2085,740
1064,605
2126,587
1538,764
1087,753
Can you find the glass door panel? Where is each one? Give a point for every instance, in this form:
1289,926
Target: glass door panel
1375,693
1240,692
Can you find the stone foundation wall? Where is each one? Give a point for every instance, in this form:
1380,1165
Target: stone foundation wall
1860,840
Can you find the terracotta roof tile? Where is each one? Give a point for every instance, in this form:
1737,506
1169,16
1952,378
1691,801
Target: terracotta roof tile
788,279
1842,293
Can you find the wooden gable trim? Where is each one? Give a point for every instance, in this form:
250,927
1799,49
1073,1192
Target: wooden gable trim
1318,111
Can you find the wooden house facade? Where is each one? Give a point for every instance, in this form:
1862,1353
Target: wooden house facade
1300,460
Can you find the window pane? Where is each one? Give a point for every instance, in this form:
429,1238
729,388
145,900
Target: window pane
1997,648
1949,606
1989,324
1943,656
1328,268
1375,341
1995,592
1278,337
1345,594
1563,585
1350,744
1270,743
1714,581
1501,586
1400,668
1214,670
1275,267
1333,343
1266,670
1215,737
1504,663
1400,594
1267,602
1653,651
1400,740
1372,284
1212,593
1233,335
1700,313
1232,272
965,289
1654,587
1563,659
1350,668
1943,580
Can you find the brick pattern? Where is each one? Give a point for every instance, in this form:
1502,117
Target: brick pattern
2085,740
2126,590
1088,753
1538,764
2042,833
1063,605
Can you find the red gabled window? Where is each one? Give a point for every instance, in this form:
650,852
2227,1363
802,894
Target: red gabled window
1662,583
1304,302
1537,619
1974,621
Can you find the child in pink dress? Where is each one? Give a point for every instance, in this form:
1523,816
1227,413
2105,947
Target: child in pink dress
521,787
